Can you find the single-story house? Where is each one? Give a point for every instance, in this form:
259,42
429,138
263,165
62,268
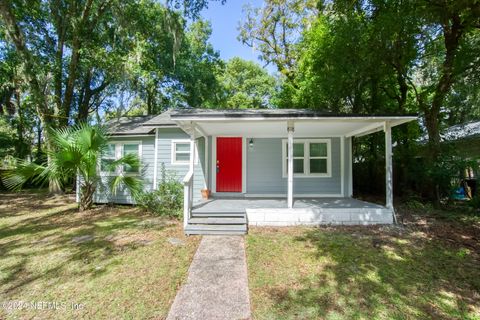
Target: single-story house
273,167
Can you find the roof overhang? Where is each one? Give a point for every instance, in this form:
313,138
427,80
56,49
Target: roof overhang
306,125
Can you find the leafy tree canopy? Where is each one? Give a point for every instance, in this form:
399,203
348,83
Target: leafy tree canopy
245,85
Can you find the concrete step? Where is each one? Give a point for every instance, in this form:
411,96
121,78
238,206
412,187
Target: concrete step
230,229
218,220
217,214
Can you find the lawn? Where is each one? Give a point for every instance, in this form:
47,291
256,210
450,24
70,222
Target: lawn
107,263
428,268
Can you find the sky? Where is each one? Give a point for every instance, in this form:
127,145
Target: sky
225,20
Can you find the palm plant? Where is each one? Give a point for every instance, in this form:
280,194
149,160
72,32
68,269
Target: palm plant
77,152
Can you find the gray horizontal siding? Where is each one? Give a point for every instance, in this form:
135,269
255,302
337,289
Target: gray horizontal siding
165,137
264,167
264,171
103,194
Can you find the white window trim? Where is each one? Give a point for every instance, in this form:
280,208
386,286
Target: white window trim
173,152
306,158
119,153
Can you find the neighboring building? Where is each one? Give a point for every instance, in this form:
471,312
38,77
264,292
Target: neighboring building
243,158
465,138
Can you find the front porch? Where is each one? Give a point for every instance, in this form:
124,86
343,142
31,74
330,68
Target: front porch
305,211
283,168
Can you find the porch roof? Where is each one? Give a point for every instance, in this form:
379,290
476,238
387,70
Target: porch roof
274,122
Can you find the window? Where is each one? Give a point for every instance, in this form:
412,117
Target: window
318,157
180,151
107,159
116,150
131,148
311,158
298,157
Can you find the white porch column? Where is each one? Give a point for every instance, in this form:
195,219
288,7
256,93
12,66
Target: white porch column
290,129
388,165
155,162
193,152
188,182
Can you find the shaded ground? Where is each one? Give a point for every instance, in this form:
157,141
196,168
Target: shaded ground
428,268
113,262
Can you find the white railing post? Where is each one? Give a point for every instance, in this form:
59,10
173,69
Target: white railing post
155,162
186,202
193,152
290,130
188,182
388,166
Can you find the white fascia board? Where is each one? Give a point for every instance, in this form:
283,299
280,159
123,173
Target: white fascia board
119,136
240,119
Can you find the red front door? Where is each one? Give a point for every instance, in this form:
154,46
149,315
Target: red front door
229,165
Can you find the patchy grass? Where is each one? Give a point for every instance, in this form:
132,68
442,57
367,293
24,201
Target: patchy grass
113,262
362,273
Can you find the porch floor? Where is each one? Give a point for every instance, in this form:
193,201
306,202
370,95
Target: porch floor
241,204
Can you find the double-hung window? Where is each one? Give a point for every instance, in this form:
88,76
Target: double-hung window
311,158
180,151
115,151
131,148
108,157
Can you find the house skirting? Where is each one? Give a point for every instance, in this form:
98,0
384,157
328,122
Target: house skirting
318,216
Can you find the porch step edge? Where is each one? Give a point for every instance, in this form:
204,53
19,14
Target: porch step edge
216,229
217,214
218,220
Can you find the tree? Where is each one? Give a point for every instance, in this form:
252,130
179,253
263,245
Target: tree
358,57
17,115
450,27
275,29
78,151
72,53
377,56
197,67
191,8
246,85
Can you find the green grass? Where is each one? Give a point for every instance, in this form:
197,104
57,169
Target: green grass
128,271
360,273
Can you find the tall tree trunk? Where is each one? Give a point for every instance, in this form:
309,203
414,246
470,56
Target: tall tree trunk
39,141
31,72
86,96
452,32
21,146
74,62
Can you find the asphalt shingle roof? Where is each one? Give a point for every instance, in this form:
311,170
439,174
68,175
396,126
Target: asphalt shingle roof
162,120
129,125
462,131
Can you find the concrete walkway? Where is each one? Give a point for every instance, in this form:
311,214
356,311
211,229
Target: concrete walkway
217,284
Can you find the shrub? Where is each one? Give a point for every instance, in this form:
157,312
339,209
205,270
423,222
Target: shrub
475,202
167,200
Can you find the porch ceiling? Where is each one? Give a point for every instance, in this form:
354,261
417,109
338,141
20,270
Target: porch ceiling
326,127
